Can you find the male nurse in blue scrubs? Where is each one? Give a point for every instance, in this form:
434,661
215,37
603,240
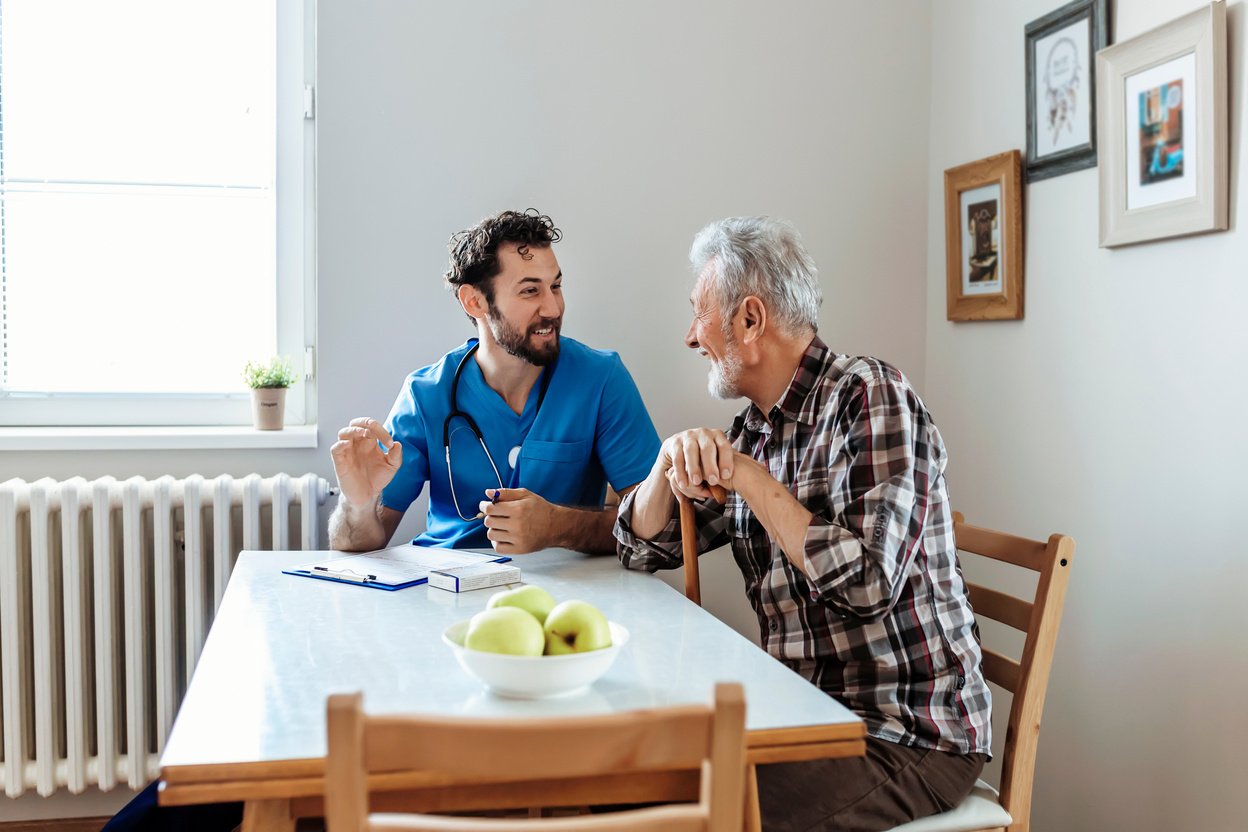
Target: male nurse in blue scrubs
517,432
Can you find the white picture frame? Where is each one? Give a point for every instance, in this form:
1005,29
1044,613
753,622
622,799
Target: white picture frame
1162,116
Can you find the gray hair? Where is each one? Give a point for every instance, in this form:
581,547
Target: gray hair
764,257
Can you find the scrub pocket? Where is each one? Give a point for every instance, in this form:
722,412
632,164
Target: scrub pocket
553,451
555,470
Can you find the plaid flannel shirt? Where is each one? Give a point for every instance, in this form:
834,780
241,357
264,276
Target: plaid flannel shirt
884,623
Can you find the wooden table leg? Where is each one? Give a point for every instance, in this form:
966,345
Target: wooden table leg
753,818
267,816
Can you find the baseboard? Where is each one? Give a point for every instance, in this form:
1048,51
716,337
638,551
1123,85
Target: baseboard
65,825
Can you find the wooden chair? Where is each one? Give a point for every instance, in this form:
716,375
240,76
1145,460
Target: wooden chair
1027,679
451,751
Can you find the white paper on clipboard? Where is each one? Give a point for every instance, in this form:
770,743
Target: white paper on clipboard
405,564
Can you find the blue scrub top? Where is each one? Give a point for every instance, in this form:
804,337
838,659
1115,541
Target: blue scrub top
592,429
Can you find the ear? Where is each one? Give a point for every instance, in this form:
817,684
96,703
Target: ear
473,301
752,315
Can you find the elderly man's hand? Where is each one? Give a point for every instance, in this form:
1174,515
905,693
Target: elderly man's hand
694,459
520,522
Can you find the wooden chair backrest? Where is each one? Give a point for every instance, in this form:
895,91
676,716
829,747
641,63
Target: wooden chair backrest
1028,678
381,751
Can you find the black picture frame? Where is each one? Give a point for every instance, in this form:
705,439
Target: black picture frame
1082,155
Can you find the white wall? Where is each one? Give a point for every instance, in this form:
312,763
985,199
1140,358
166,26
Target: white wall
1112,412
632,124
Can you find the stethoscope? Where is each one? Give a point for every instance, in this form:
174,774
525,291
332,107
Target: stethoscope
476,431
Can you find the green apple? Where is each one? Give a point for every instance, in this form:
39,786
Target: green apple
531,599
505,630
576,627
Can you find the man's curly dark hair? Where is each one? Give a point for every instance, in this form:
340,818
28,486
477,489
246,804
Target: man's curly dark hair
474,251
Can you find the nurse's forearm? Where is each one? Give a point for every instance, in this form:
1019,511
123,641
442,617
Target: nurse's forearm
584,529
355,528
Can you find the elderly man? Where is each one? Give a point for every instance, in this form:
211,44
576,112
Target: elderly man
838,517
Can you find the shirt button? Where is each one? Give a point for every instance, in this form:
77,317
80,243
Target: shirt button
774,626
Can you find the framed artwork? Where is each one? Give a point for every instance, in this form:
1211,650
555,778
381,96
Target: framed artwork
984,239
1061,52
1162,112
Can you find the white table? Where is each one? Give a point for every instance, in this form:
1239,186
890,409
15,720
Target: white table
252,724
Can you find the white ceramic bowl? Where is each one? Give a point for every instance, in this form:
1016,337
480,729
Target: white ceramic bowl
534,677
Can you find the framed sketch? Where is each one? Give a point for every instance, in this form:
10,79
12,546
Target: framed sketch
1061,87
1162,114
984,239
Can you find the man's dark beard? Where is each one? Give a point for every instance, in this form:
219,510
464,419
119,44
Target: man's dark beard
517,343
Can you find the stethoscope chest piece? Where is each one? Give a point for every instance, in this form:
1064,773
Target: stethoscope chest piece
513,457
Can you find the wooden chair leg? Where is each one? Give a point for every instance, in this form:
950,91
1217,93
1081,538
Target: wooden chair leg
753,817
267,816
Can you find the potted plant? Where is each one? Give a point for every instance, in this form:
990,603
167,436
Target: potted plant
268,383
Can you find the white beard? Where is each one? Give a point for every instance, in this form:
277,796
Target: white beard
724,379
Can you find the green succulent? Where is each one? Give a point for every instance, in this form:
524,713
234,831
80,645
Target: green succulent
277,373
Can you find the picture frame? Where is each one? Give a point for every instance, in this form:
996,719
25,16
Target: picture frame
1061,52
1162,113
984,239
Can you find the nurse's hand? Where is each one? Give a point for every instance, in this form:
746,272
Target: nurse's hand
520,522
363,469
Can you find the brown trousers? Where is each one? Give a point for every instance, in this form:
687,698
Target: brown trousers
893,784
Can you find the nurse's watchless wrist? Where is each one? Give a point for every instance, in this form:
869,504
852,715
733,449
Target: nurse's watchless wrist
568,527
356,511
559,532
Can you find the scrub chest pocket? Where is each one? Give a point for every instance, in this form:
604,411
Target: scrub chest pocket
555,469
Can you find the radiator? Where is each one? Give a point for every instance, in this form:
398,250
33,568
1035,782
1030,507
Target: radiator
107,590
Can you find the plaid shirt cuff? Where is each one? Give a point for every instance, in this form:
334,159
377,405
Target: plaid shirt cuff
660,552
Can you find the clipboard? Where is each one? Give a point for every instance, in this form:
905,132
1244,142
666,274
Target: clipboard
397,567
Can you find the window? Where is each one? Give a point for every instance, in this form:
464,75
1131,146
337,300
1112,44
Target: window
155,208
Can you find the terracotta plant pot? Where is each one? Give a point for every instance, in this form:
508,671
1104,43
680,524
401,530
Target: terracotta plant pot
268,407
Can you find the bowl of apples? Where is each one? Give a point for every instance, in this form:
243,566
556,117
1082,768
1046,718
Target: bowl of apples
525,645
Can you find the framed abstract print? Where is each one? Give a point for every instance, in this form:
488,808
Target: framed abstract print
1162,111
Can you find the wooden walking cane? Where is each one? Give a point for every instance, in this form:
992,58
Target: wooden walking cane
693,591
689,542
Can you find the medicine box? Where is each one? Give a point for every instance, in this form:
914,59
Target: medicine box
476,576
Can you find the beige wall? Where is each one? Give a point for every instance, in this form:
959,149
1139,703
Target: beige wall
1113,413
633,124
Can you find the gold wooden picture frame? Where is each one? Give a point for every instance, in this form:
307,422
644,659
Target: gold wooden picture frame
984,239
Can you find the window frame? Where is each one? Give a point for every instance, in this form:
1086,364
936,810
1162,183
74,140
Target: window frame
295,261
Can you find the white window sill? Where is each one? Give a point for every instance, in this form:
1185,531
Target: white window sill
179,438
